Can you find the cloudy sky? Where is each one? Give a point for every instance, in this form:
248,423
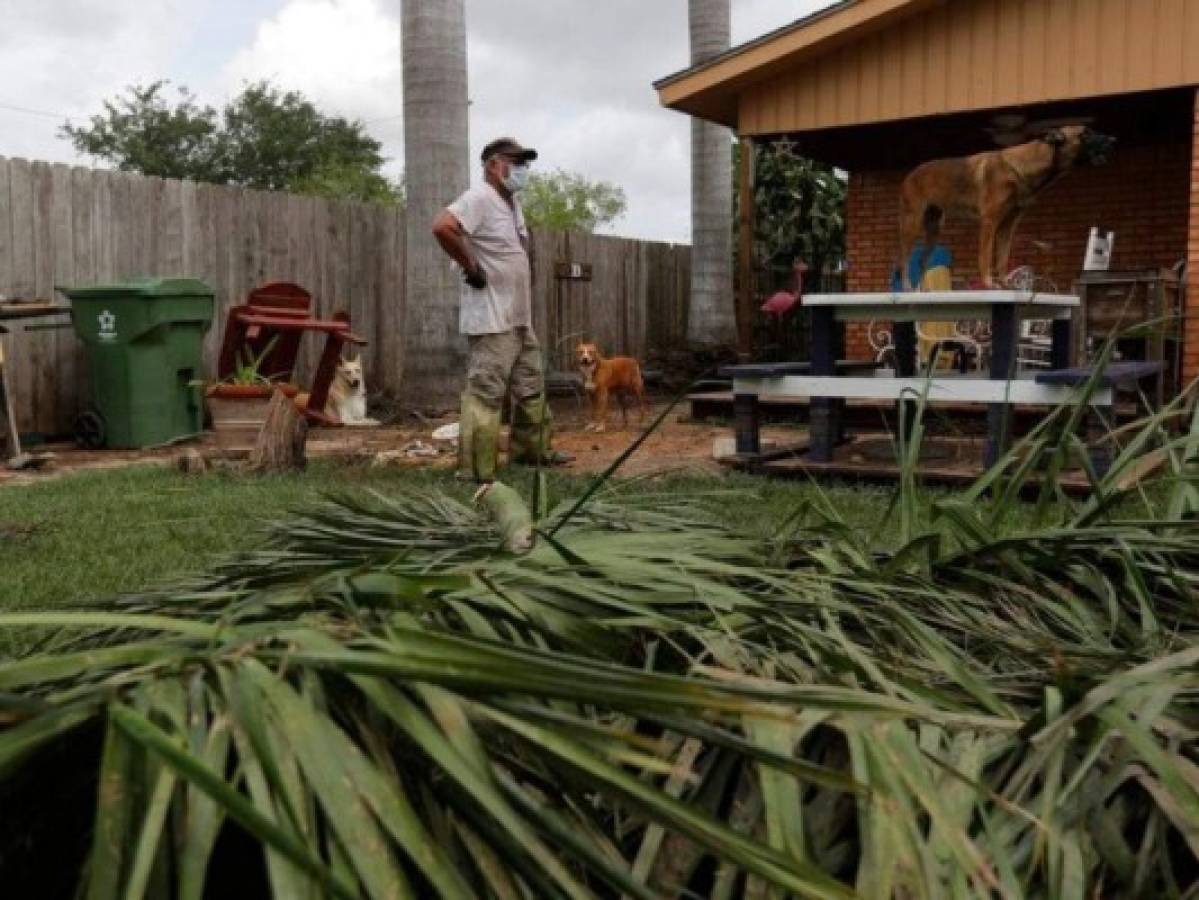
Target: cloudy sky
571,77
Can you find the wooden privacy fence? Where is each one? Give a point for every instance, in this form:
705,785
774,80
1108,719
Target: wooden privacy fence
633,302
62,225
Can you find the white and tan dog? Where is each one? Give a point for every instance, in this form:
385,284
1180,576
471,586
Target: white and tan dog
347,394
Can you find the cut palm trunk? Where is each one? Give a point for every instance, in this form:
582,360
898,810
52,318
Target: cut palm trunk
511,515
281,440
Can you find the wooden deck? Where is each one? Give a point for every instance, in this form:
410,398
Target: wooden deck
950,461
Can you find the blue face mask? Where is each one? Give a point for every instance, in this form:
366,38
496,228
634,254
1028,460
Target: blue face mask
517,178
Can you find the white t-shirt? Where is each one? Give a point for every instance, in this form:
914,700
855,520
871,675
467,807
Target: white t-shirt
493,232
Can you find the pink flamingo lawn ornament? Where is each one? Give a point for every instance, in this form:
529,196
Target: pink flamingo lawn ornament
782,302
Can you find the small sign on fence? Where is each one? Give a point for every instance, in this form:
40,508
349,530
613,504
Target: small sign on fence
572,271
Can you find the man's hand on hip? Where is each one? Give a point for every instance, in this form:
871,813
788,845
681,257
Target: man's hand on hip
476,277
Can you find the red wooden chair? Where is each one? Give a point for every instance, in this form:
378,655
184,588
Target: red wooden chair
282,312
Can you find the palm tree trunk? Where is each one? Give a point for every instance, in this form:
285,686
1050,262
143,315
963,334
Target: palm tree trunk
712,320
436,172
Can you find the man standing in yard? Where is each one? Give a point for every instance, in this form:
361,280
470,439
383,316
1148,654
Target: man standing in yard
484,232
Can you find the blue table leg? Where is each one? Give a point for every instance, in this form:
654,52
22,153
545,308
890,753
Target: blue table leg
824,413
746,424
1060,351
1003,367
905,367
1100,448
905,348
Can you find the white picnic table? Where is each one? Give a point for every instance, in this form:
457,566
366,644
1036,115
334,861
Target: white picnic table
943,306
999,388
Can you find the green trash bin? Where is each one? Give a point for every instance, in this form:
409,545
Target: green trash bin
144,345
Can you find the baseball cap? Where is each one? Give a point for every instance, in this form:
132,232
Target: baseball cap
507,146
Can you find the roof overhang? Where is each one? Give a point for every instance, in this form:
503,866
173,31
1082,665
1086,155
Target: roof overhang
711,89
1150,118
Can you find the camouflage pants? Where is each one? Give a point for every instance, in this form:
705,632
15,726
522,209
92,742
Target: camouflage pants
499,365
503,363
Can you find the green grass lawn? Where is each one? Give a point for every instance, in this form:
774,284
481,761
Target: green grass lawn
98,533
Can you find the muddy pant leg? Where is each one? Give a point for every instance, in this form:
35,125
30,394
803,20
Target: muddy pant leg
532,425
491,359
532,420
479,439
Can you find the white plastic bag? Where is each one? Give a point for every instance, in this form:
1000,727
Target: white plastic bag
447,432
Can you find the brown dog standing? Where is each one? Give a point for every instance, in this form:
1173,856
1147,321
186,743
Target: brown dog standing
995,188
620,375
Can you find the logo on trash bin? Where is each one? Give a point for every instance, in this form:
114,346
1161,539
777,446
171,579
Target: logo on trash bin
108,326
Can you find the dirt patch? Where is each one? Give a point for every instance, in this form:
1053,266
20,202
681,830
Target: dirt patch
676,446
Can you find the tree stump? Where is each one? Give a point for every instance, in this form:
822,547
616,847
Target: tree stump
191,462
280,444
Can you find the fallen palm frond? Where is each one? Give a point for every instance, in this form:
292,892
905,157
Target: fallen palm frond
1001,704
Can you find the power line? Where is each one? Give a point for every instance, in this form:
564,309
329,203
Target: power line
46,114
34,112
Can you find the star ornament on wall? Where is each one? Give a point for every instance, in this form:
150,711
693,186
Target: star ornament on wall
785,145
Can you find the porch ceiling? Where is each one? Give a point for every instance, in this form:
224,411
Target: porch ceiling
1148,118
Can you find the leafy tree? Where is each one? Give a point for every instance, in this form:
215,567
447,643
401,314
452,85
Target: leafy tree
349,182
799,207
273,139
264,138
568,201
142,132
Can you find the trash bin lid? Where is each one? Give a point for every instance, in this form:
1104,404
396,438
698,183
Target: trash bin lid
148,288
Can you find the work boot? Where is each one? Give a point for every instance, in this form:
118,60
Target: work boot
532,427
478,439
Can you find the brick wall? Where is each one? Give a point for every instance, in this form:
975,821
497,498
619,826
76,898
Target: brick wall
1143,194
1190,339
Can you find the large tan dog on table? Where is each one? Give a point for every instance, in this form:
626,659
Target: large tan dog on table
994,187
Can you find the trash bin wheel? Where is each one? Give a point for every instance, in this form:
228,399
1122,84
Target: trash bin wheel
90,430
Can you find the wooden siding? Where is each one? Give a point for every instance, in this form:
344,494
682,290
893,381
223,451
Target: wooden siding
983,54
72,226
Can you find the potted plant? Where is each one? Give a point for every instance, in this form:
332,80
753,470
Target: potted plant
240,401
